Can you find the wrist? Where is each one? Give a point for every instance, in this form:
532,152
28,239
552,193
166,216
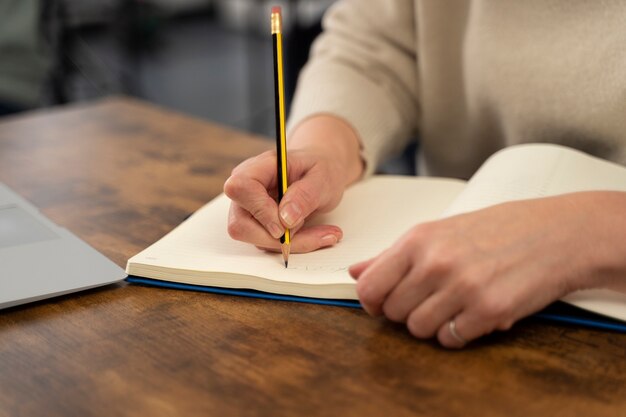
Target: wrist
609,252
593,225
333,138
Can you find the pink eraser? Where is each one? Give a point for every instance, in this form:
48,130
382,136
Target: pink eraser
276,9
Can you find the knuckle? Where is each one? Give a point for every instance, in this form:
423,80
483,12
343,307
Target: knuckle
271,154
418,234
494,308
235,229
267,158
233,186
439,260
259,212
308,197
440,254
469,286
245,165
422,232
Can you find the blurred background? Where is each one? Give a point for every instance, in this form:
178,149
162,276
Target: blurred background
206,58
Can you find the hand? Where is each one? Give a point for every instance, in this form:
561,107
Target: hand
491,267
323,158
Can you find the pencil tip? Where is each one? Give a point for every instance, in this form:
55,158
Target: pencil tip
285,250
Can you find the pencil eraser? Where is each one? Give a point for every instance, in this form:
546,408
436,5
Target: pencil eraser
276,9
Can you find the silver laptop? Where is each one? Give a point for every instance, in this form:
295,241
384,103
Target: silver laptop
39,259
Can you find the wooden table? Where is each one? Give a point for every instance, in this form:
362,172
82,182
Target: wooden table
120,174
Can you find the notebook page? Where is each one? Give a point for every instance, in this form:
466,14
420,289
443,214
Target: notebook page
602,301
373,214
533,171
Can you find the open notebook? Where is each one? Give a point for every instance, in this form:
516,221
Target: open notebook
373,214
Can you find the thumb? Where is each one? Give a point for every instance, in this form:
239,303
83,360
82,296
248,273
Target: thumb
302,198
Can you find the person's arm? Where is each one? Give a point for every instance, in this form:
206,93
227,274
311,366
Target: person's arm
363,70
486,269
356,102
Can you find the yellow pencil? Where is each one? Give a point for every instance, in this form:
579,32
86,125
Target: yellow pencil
281,140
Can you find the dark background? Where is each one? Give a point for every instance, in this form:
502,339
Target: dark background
207,58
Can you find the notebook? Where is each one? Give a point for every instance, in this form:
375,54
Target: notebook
39,259
373,214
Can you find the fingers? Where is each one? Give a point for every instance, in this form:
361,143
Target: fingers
491,312
242,226
371,287
409,295
302,198
427,310
429,316
261,168
251,195
357,269
450,334
413,283
465,328
251,185
472,320
309,239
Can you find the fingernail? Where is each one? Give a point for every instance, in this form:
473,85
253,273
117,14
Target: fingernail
329,240
291,214
275,230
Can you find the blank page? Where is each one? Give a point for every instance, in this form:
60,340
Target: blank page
536,170
373,214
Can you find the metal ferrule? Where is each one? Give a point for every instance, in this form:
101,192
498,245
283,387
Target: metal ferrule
277,23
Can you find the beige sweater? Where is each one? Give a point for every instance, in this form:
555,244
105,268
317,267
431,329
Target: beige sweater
470,77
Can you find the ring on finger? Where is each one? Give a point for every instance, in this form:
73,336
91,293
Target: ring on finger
455,333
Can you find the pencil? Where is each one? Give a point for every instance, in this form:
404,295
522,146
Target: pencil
281,140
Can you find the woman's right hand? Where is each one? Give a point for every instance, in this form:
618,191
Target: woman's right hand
323,158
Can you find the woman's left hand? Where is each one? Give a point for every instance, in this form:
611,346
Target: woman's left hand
486,269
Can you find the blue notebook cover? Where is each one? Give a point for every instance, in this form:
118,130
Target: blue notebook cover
558,312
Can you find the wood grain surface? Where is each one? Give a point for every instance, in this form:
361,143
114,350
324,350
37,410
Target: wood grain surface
119,174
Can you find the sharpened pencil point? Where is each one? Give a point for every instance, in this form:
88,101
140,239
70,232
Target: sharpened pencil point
285,250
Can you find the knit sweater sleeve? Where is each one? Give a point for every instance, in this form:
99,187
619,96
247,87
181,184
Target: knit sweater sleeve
363,69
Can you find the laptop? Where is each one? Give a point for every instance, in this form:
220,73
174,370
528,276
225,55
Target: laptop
39,259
